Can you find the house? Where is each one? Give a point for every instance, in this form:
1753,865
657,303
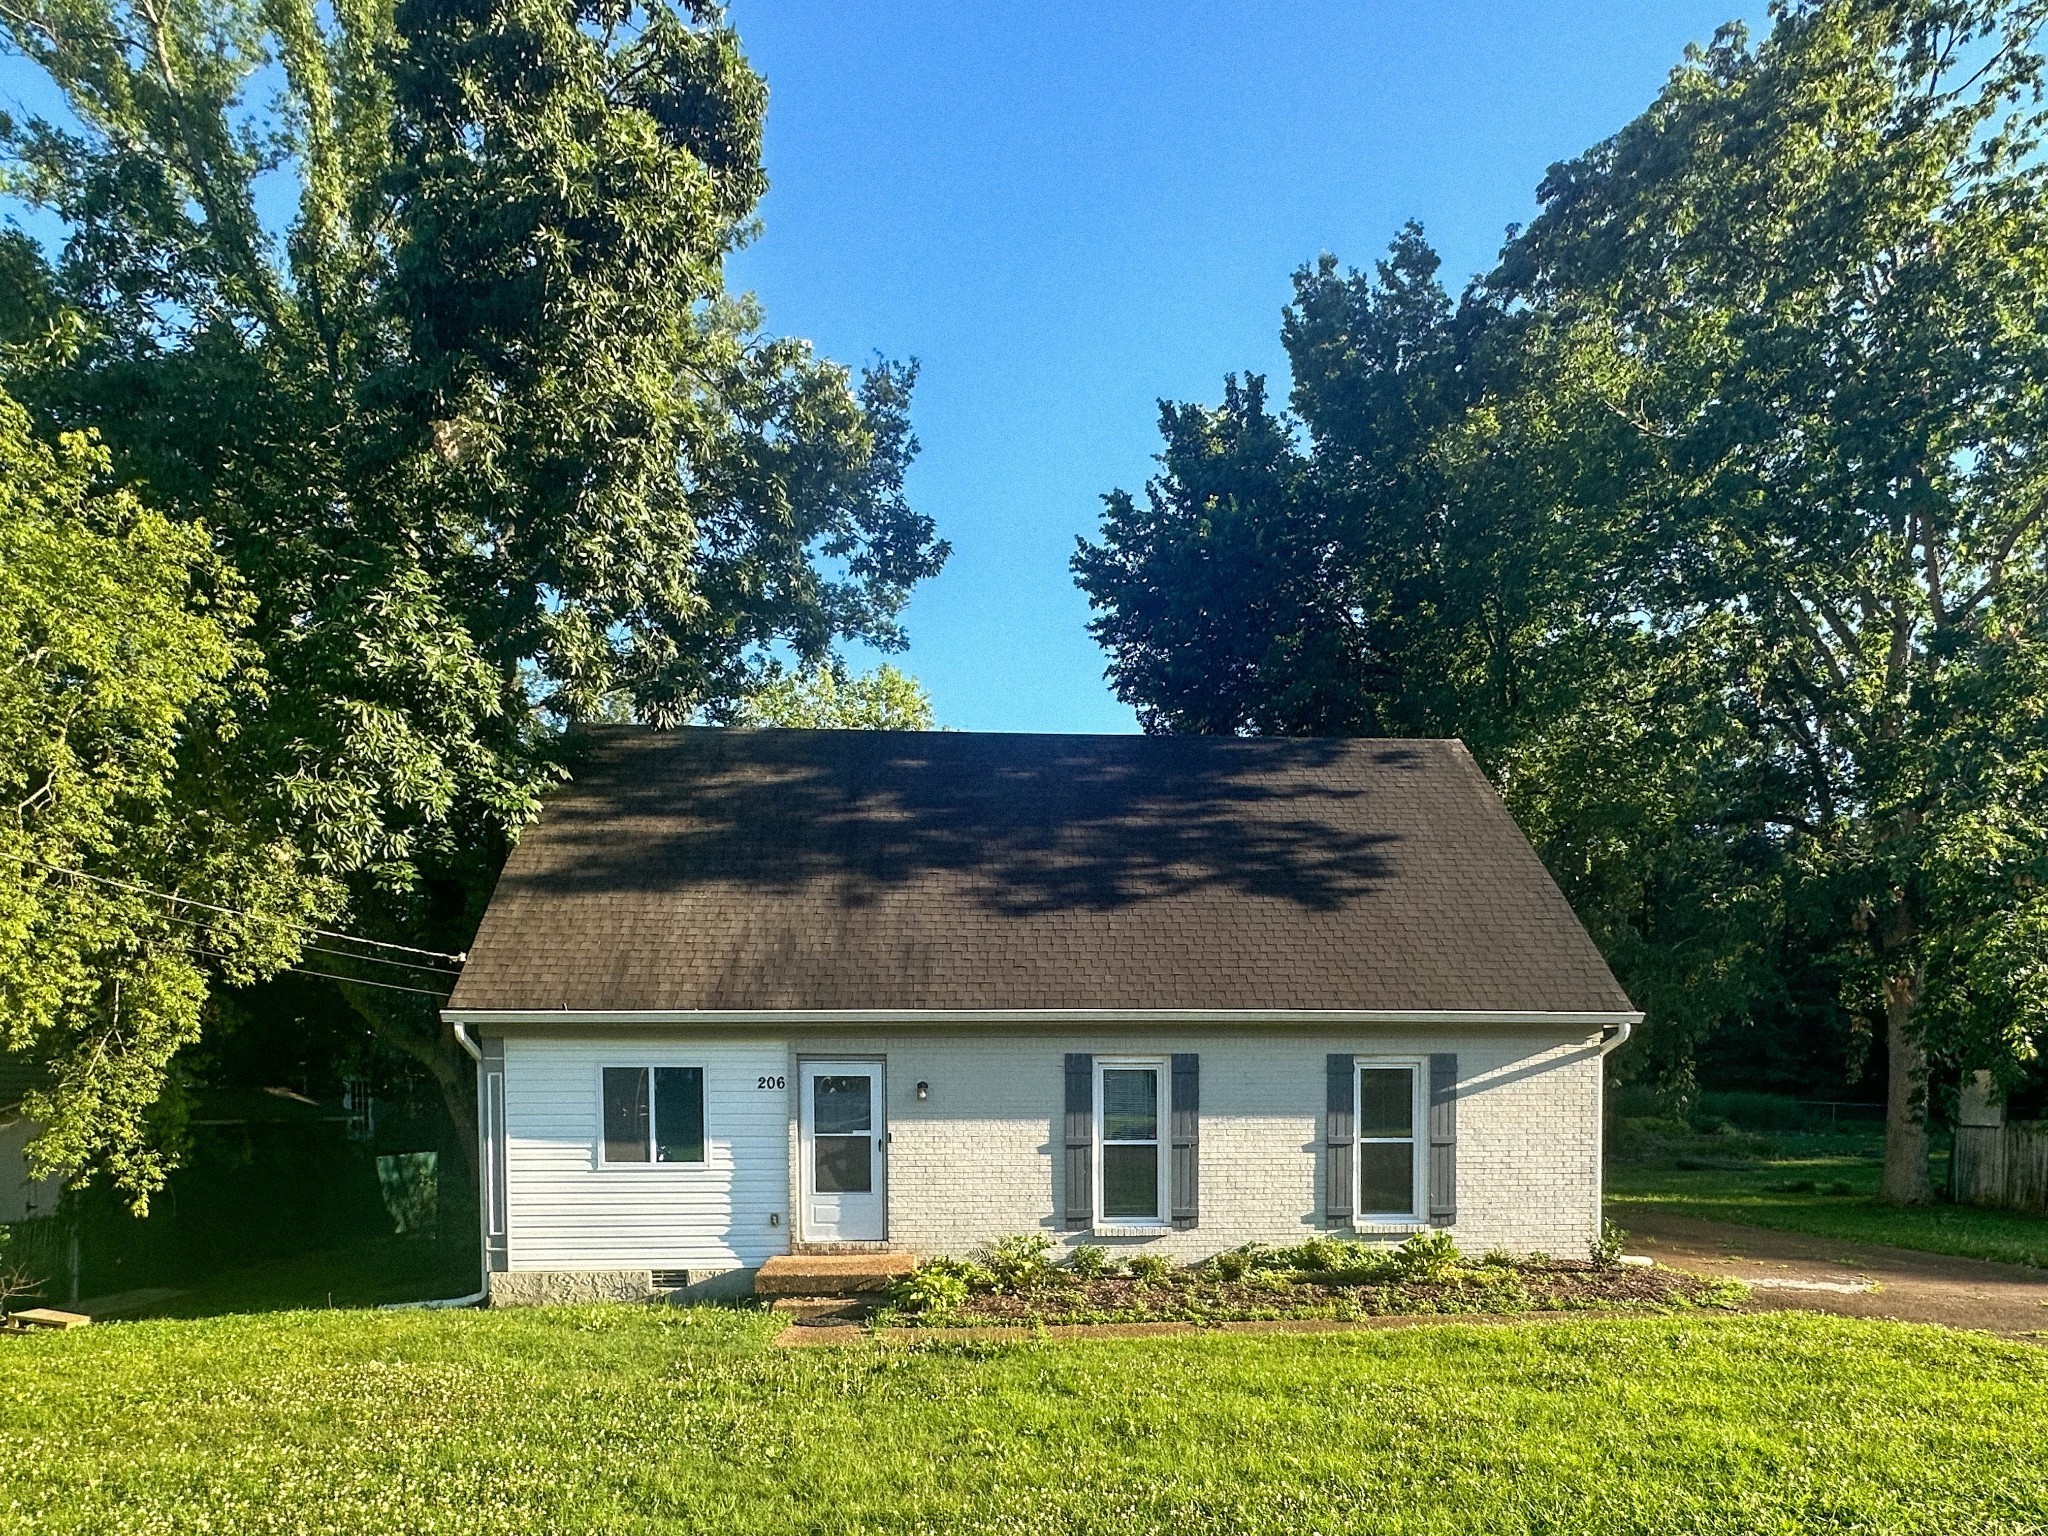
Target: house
743,993
21,1197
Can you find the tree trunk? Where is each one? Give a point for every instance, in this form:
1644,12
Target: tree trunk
1906,1179
435,1049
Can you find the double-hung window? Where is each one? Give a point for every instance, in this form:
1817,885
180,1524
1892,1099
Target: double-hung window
1391,1160
652,1115
1131,1166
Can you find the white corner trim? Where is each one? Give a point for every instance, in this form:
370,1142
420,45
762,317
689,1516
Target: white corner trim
798,1018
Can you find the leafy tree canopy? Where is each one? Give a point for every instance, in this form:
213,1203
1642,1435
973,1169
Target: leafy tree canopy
419,310
1713,518
121,636
832,699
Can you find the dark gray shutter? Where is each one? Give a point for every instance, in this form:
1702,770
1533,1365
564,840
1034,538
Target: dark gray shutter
1187,1139
1337,1140
1080,1140
1443,1138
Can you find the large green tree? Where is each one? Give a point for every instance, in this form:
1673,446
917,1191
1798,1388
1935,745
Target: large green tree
420,309
1713,516
121,644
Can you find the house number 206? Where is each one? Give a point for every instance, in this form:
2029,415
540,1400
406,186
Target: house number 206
769,1082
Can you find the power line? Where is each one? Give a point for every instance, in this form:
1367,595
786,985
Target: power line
321,949
355,981
262,917
361,981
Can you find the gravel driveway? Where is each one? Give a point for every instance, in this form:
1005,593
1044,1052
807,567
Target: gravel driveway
1820,1274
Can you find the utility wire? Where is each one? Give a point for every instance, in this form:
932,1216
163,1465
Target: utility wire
261,917
214,932
357,981
360,981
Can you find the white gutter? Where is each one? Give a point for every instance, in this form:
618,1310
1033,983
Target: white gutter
1619,1038
461,1027
462,1017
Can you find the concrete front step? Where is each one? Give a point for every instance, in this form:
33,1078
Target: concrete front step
830,1274
814,1310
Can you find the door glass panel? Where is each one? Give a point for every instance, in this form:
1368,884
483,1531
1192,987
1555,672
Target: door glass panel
1386,1178
679,1114
1130,1104
1130,1182
625,1114
1386,1102
841,1106
842,1165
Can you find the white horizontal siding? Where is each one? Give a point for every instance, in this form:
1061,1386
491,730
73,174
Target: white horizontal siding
566,1212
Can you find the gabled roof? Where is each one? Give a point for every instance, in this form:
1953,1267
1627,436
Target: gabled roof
737,870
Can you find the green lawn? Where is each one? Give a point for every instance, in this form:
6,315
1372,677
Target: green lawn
631,1419
1783,1181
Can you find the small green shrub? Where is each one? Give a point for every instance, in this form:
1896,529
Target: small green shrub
1019,1262
1498,1289
1369,1266
1498,1258
931,1290
1431,1255
1151,1268
1091,1261
1607,1248
1320,1253
1235,1264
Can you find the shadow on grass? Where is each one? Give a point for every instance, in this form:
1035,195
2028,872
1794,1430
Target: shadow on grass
368,1274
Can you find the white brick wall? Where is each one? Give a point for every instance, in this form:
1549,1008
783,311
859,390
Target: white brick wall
983,1156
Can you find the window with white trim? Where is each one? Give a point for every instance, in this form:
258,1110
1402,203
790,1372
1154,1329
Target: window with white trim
1391,1162
651,1115
1130,1158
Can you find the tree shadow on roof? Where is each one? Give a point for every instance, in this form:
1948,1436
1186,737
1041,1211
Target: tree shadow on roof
1017,825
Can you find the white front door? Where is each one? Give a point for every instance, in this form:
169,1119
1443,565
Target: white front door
843,1138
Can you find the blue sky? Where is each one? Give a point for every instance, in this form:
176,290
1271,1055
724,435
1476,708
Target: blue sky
1066,212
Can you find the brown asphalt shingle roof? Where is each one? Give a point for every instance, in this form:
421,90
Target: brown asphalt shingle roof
726,869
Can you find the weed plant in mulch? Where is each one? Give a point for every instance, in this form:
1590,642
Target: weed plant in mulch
1016,1281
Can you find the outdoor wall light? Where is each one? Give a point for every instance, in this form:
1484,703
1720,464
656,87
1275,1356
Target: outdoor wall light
924,1091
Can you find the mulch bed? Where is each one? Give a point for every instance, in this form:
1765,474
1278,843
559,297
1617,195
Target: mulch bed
1193,1297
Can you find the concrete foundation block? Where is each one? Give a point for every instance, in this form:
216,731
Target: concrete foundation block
567,1287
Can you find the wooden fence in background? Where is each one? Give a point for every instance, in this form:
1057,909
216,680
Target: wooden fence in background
2002,1165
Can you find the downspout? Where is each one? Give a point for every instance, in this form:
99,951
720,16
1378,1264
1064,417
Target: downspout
478,1297
1609,1044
